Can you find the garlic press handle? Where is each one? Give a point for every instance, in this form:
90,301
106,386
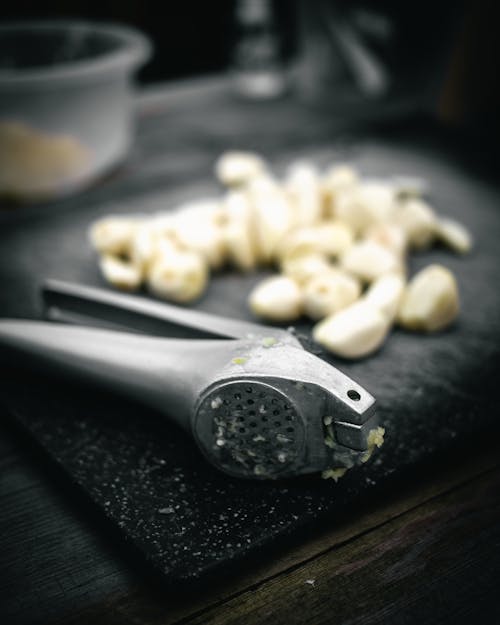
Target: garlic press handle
163,373
74,303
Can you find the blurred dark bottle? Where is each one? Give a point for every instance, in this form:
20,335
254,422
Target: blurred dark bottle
386,58
469,93
257,64
341,51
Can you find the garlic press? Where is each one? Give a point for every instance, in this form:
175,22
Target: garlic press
256,402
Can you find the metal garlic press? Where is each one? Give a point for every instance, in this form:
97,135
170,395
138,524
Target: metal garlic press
256,402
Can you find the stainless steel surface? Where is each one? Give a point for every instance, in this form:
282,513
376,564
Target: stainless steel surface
63,301
258,408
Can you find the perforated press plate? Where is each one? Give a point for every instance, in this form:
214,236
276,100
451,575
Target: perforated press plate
249,428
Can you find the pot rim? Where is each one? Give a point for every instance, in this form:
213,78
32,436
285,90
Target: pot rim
132,50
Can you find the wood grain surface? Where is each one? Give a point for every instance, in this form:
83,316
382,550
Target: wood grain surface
376,567
427,548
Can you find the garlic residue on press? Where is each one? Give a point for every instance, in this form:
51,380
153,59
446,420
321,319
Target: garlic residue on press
375,439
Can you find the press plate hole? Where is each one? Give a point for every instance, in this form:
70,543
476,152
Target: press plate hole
261,429
354,395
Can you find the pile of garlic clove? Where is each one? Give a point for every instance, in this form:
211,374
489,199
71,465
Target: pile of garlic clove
340,244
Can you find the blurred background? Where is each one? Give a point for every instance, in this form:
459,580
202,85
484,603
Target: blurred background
437,56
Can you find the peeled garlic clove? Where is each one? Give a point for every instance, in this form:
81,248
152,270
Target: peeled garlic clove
272,216
336,180
454,235
389,235
237,168
163,225
124,275
354,332
179,276
431,300
351,210
143,246
302,187
198,228
419,222
238,235
385,294
152,239
278,299
329,292
239,248
334,238
331,239
341,176
364,205
297,242
303,268
378,200
113,235
369,260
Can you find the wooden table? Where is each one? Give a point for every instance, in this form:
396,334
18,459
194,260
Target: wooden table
428,551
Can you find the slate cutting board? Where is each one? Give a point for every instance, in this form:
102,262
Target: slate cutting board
435,393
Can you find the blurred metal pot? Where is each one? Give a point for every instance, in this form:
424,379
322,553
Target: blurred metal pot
65,104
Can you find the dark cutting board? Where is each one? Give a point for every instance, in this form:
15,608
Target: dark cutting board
436,394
